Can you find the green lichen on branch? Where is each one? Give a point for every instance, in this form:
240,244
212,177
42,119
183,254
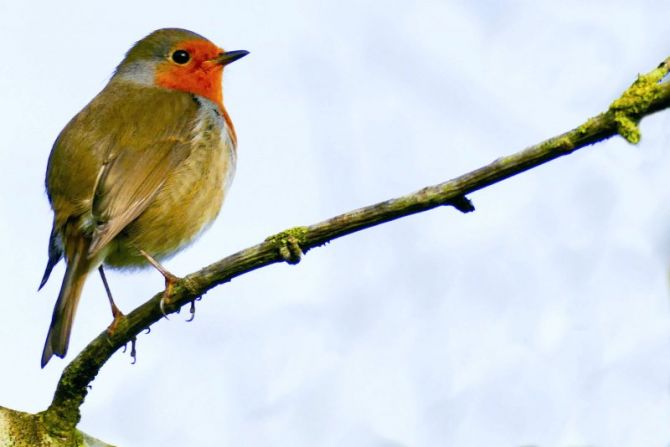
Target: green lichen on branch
22,429
289,243
565,144
627,127
629,108
19,429
296,233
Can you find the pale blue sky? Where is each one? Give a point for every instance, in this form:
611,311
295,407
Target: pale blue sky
541,319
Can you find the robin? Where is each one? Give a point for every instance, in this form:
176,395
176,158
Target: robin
142,170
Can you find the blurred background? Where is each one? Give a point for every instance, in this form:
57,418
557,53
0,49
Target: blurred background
540,319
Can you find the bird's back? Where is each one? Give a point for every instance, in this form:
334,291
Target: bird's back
126,118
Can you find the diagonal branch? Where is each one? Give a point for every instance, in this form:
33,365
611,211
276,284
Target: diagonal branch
644,97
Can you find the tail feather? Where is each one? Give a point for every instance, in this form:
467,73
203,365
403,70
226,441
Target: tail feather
55,254
58,338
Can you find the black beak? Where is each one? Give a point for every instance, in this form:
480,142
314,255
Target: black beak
226,58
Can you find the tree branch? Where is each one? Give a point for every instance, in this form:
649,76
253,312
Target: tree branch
644,97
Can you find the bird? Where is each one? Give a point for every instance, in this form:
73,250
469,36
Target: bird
141,171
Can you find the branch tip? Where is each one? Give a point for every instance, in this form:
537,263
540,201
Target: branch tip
629,108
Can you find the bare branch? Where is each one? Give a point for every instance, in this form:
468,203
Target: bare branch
644,97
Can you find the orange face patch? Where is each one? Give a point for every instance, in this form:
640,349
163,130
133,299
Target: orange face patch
194,73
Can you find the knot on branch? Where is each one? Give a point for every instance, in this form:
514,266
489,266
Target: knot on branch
288,243
630,106
462,204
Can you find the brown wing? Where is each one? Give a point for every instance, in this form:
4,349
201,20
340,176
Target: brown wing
113,156
127,183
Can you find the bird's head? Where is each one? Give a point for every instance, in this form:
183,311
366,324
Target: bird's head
177,59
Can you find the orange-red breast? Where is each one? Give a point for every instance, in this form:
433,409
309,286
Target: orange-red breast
143,167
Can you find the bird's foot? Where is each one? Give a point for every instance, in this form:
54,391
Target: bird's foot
118,318
170,281
133,351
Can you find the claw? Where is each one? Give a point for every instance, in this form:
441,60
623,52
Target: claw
133,352
192,312
162,307
147,330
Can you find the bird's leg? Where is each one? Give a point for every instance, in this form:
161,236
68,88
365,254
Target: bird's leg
170,279
116,312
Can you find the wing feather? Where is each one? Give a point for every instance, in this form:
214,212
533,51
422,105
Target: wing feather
128,182
122,152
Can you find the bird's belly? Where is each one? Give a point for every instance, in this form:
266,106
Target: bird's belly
184,207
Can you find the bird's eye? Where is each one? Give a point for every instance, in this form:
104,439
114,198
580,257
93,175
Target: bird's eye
181,57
